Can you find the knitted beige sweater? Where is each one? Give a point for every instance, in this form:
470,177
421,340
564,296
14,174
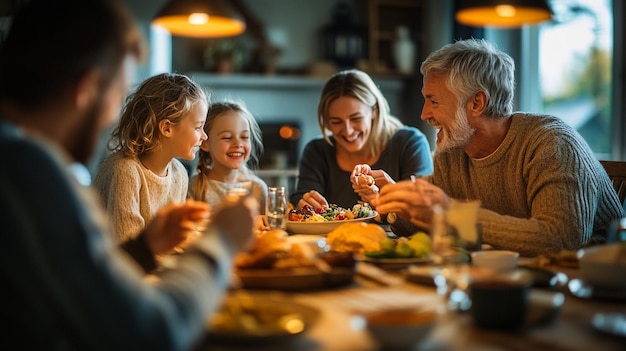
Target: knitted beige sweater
541,191
132,194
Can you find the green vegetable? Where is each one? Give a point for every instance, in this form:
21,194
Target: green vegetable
419,248
380,254
404,250
388,244
420,237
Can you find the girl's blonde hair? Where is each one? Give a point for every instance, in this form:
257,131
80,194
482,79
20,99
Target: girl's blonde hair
166,96
359,85
205,161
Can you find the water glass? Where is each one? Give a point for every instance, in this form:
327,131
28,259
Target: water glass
462,221
277,207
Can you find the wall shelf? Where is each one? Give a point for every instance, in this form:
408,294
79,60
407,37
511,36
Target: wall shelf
237,80
384,17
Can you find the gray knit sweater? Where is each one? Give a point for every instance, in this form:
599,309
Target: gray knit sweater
541,191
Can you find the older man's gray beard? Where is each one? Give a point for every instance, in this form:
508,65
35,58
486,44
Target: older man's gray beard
458,136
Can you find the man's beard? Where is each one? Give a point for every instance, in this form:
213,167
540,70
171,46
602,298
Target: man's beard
458,135
87,134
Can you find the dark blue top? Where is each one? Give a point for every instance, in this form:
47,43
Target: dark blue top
65,283
407,153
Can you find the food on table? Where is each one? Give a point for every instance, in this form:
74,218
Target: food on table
365,179
243,316
332,213
417,245
357,237
564,258
272,250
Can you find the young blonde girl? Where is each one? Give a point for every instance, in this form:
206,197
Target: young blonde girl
225,159
162,120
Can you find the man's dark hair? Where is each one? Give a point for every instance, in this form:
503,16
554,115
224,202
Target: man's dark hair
52,43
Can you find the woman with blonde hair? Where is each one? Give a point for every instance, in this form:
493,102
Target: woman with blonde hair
360,136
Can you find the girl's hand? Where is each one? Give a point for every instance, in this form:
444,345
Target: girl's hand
261,223
313,199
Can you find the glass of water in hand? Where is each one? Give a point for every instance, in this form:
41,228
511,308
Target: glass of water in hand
277,207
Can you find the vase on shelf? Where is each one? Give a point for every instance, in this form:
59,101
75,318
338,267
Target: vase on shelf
404,51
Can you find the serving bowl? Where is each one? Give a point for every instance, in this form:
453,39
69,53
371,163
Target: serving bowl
497,260
400,329
603,265
322,228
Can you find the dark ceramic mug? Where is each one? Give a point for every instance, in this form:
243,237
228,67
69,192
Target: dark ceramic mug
500,300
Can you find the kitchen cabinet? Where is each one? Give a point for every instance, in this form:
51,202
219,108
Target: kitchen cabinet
384,18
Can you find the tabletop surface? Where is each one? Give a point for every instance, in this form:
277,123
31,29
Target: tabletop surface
339,328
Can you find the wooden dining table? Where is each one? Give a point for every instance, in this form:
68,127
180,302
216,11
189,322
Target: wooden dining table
340,326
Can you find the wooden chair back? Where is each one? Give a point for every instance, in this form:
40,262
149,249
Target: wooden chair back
617,173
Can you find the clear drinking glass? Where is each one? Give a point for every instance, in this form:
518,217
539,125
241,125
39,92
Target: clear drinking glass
452,275
277,207
462,220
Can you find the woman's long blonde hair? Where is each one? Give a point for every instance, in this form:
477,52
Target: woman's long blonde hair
166,96
359,85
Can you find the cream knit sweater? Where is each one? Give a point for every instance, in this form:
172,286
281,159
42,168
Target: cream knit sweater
541,191
132,194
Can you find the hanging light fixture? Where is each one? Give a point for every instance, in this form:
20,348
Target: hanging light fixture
200,19
502,13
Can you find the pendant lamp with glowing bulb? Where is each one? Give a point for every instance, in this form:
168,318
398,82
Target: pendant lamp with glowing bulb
502,13
200,19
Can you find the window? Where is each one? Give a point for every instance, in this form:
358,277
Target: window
570,68
160,50
575,60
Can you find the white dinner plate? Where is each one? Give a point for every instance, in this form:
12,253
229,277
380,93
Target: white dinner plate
321,228
295,279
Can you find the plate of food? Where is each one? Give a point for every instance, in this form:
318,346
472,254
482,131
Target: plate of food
295,279
396,254
253,320
278,263
308,220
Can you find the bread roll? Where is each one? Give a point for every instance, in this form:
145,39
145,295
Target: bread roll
270,242
364,179
357,237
